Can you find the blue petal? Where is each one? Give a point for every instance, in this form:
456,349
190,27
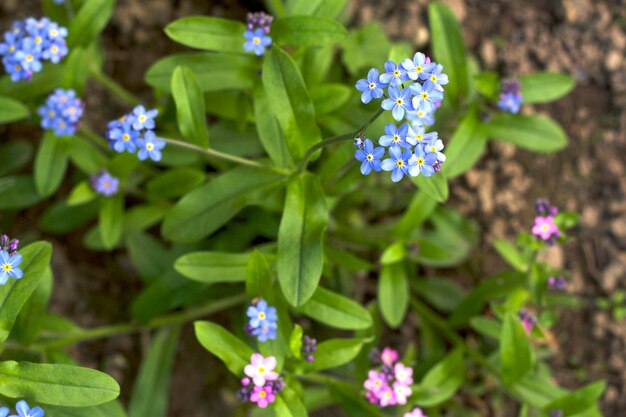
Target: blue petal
362,85
396,174
366,97
398,112
388,104
366,168
388,164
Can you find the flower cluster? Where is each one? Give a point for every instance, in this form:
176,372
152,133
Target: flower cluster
104,183
544,228
510,96
558,283
263,321
261,384
23,410
309,347
257,29
135,131
61,112
415,89
416,412
9,259
390,384
528,320
28,43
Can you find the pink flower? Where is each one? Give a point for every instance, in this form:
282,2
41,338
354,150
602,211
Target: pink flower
402,392
262,396
403,374
545,228
375,382
389,356
387,397
417,412
261,369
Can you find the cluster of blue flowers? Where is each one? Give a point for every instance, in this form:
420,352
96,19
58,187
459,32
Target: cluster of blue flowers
415,91
135,132
9,260
263,321
510,96
30,42
104,183
256,35
23,410
61,112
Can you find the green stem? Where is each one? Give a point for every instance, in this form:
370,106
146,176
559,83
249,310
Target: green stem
225,156
428,314
337,139
69,9
126,328
113,86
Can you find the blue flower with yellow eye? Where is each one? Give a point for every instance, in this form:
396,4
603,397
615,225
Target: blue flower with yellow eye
150,147
256,41
398,102
398,163
9,266
371,87
423,161
394,76
395,136
425,97
369,157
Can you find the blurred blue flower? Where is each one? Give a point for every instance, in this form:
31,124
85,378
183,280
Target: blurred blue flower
369,157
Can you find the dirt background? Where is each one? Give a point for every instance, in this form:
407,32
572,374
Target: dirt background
584,38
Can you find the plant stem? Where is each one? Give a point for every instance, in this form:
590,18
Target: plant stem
337,139
69,9
225,156
113,86
126,328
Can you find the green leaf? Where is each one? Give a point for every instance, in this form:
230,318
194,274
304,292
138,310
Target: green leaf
300,239
60,218
17,192
214,71
190,107
467,145
544,87
443,293
110,409
41,83
85,156
56,384
486,327
441,381
290,101
207,208
151,389
351,400
578,401
396,252
295,341
536,133
488,84
12,110
436,186
175,182
322,8
111,220
393,293
233,352
422,205
89,22
147,255
212,267
516,352
511,254
50,164
82,193
449,50
288,404
210,33
14,155
307,31
15,293
336,311
258,277
370,37
269,131
329,98
335,352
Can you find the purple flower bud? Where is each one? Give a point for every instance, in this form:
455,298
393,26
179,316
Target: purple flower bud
13,245
558,283
510,86
374,357
4,242
556,413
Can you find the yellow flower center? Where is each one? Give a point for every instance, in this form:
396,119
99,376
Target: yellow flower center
424,95
262,394
11,48
419,136
377,383
38,40
53,33
54,49
106,184
261,316
6,267
149,146
420,113
142,118
396,73
63,99
433,149
256,40
261,370
396,138
50,113
420,161
62,125
400,162
125,137
399,101
72,110
370,157
419,69
545,227
372,86
29,58
433,78
18,68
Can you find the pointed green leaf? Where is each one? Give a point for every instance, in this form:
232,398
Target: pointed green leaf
467,144
190,106
393,293
210,33
269,131
442,380
516,352
307,31
335,352
336,311
258,277
12,110
544,87
578,401
211,267
233,352
536,133
90,21
111,220
50,164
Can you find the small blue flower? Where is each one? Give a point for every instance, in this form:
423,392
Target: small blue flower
261,314
24,410
394,76
124,137
417,134
418,68
371,88
435,146
144,119
395,136
398,163
4,411
436,79
9,266
256,41
150,147
61,112
104,183
421,117
423,161
398,102
369,157
265,333
425,97
510,102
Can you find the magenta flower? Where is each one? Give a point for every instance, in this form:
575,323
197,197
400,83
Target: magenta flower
387,397
261,369
401,392
545,228
389,356
417,412
376,381
403,374
263,396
